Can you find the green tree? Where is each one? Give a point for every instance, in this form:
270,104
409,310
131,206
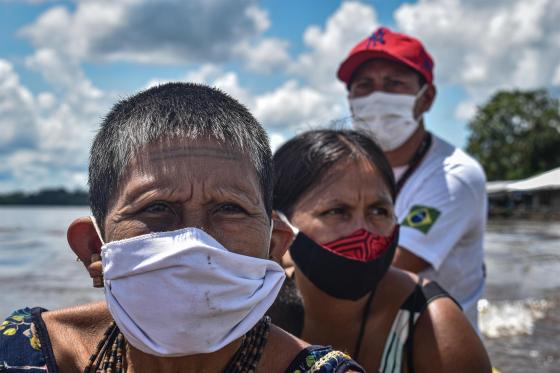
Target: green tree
516,134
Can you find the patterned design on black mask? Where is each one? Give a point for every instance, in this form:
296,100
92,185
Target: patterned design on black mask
360,245
337,275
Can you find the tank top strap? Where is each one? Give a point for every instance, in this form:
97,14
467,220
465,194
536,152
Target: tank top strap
433,291
43,335
401,335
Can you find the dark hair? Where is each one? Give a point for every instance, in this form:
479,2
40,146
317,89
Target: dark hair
303,161
287,311
184,110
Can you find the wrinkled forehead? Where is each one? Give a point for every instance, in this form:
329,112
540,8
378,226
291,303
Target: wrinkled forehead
345,178
204,160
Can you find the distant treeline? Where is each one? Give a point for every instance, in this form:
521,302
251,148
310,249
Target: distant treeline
56,197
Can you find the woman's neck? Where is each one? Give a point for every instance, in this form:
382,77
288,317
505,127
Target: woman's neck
329,320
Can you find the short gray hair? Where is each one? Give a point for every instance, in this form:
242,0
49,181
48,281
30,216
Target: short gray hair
185,110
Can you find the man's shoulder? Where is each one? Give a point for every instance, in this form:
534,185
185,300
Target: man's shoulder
20,347
449,160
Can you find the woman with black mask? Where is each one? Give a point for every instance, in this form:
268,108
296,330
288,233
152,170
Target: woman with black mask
336,190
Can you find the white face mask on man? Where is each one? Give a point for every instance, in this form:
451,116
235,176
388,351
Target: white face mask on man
387,117
182,293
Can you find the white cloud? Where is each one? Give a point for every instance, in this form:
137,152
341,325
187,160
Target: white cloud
292,106
265,56
213,76
46,100
144,31
350,23
59,70
316,98
45,139
18,120
483,46
276,141
465,110
283,110
556,77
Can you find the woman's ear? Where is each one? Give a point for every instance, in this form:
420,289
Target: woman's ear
86,244
282,237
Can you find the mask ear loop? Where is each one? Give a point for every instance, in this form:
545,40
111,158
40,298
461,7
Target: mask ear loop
422,91
92,218
270,237
98,280
283,217
419,94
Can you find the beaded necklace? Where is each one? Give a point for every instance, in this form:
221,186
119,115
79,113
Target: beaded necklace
111,350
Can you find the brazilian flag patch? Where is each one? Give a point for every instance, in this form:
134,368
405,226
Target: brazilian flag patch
421,218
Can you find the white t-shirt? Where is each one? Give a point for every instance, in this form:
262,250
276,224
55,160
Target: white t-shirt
442,212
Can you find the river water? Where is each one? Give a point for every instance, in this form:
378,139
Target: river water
519,319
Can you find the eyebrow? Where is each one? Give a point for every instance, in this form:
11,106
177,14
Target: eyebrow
240,192
379,200
135,192
398,74
139,191
383,200
194,152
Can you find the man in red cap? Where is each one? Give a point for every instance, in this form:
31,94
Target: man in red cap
441,200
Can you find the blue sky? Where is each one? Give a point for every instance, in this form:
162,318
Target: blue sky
63,63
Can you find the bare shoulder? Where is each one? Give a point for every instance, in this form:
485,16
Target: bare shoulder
281,349
75,331
444,341
395,287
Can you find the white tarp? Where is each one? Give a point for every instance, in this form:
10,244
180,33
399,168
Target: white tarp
494,187
547,180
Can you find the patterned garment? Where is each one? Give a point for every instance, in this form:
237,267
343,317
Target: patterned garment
24,347
20,347
320,359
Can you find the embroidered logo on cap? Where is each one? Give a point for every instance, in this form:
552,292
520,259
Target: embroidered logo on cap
421,218
377,37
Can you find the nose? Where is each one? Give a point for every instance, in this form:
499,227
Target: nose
357,223
377,86
195,219
365,222
374,87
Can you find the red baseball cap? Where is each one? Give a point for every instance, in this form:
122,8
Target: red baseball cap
384,43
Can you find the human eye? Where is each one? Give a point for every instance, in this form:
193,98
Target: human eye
380,212
393,83
334,211
363,83
361,86
231,208
158,208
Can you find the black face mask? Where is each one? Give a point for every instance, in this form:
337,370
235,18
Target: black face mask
342,268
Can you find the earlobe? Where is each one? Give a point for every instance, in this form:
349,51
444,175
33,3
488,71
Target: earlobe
86,244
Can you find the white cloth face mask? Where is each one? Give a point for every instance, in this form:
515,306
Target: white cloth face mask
182,293
387,117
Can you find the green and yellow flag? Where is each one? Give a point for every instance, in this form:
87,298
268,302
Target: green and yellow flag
421,218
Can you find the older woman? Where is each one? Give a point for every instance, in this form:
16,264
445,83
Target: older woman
181,240
337,189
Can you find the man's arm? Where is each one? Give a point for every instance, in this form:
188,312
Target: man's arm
406,260
438,216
